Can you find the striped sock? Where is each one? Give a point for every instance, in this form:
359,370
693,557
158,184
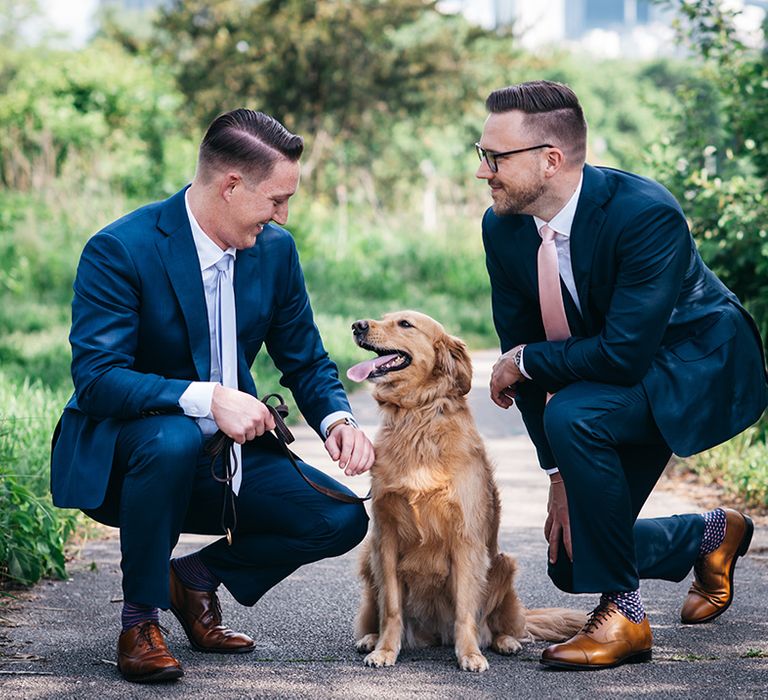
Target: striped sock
629,604
134,614
194,574
714,531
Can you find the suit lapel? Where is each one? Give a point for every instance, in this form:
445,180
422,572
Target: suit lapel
587,223
247,304
179,255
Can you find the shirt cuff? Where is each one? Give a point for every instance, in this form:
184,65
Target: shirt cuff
333,417
553,470
521,366
196,400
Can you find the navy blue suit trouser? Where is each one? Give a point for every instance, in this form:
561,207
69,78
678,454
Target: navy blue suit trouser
161,486
610,454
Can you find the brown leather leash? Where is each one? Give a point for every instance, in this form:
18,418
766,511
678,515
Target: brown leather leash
219,448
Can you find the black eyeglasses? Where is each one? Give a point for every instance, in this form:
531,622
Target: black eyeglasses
491,157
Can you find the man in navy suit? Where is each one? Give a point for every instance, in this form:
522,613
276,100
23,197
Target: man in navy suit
172,303
654,356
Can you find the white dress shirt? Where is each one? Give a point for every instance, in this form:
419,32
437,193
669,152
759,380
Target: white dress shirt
198,396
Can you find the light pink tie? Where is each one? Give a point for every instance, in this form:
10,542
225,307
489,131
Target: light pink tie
550,293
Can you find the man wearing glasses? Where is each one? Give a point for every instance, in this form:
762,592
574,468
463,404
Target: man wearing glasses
620,347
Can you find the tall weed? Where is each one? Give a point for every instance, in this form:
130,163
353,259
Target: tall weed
739,467
32,532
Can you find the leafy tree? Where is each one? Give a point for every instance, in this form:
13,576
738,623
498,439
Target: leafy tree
311,62
341,73
99,111
716,160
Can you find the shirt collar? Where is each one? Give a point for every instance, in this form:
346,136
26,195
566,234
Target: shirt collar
563,220
207,251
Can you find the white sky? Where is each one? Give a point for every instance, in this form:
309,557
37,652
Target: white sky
75,17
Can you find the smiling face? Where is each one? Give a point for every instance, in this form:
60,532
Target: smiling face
416,359
520,181
253,205
233,209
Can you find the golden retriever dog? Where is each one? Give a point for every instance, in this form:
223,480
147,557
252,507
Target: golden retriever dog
431,566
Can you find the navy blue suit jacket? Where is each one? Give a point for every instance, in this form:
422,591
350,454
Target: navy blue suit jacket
652,312
140,336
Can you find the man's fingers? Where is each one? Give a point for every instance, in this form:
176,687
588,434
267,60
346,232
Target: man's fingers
333,448
554,543
353,462
346,450
501,400
567,541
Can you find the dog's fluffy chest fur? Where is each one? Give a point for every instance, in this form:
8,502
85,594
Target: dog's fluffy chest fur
432,500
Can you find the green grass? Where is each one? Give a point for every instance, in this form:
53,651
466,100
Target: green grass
739,467
32,532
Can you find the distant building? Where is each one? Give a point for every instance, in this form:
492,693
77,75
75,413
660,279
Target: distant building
609,28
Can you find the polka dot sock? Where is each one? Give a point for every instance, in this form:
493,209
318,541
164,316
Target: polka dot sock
629,604
714,531
134,614
194,574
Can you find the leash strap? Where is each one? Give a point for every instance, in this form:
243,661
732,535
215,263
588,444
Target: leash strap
219,448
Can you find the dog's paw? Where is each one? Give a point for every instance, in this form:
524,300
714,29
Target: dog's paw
506,644
474,662
381,657
367,643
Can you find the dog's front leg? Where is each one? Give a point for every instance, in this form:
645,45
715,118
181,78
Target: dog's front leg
390,606
468,587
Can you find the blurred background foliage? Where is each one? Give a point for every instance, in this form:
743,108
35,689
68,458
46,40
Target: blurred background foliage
389,96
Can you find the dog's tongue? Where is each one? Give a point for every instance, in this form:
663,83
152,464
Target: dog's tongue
360,371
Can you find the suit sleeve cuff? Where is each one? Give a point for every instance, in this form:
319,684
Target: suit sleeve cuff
196,400
521,366
333,417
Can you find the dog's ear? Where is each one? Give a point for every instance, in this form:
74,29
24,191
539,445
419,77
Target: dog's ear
452,361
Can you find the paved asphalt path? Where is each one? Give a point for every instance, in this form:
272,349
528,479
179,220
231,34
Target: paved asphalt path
66,632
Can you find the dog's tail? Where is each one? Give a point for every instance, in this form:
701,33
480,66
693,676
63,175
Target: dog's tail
553,624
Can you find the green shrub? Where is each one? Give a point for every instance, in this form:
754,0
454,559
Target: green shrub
32,532
739,467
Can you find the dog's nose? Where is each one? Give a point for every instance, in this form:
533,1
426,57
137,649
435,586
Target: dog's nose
360,328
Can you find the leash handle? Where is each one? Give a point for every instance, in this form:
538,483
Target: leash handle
219,447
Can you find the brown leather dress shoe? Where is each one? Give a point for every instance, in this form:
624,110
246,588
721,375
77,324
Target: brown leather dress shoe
199,613
608,639
712,589
142,656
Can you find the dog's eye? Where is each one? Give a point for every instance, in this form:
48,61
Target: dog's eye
404,324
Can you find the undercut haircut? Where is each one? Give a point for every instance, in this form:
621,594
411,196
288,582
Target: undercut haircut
248,141
552,114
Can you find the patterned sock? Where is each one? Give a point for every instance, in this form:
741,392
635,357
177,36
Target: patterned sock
133,614
629,604
714,531
194,574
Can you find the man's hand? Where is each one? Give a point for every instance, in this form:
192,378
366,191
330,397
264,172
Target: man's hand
351,448
241,416
558,525
504,376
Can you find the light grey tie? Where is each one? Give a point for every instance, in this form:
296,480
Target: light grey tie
226,342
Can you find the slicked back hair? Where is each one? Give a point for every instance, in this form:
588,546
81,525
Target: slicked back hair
249,141
553,114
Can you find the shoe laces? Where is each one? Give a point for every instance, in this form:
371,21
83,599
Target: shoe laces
214,612
599,615
150,632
